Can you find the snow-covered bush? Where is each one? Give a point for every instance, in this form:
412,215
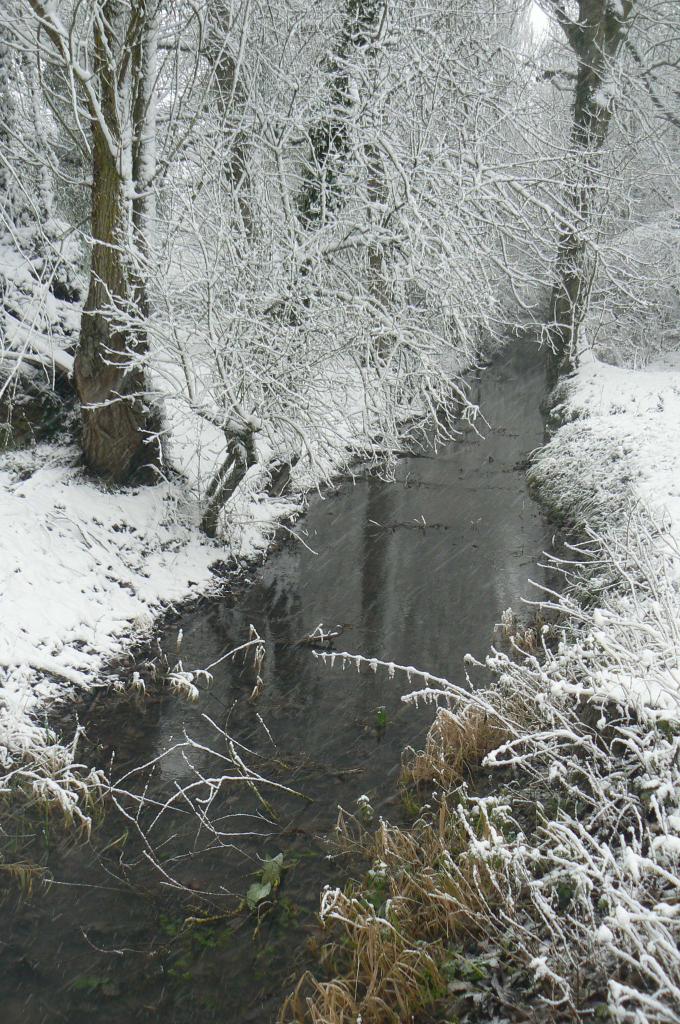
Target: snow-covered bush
634,310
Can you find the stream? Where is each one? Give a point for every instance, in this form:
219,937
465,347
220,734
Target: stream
415,571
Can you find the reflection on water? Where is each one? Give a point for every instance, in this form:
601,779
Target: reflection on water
416,571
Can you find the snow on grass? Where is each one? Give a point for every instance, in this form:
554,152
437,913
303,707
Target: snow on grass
613,469
622,439
619,450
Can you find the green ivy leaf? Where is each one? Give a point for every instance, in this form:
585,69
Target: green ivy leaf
257,892
271,870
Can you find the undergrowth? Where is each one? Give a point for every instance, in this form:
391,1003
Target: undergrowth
557,898
44,792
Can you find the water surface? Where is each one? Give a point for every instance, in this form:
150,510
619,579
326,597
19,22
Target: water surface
416,571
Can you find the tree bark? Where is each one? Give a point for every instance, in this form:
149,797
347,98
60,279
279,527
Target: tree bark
231,97
595,38
120,421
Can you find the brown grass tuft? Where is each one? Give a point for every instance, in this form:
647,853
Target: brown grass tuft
429,888
432,887
455,747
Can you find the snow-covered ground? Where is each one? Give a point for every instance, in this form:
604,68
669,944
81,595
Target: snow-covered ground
83,571
623,439
614,467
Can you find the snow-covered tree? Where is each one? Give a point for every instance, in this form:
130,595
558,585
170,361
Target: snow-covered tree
623,71
374,162
104,55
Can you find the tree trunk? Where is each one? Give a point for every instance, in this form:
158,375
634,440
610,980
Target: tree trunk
330,137
241,455
119,428
377,264
595,38
231,100
574,271
121,422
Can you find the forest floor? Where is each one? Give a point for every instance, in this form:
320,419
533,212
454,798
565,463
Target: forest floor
541,876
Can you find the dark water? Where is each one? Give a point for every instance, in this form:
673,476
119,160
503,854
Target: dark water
416,571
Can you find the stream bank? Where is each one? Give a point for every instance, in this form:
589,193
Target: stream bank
417,571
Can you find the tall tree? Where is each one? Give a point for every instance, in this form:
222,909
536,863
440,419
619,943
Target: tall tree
223,50
595,31
107,55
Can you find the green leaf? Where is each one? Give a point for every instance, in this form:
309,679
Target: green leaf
257,892
271,870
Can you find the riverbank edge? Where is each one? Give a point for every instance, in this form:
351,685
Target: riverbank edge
564,909
44,766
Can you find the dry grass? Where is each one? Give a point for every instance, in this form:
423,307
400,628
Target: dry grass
455,747
430,888
384,981
24,874
433,887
